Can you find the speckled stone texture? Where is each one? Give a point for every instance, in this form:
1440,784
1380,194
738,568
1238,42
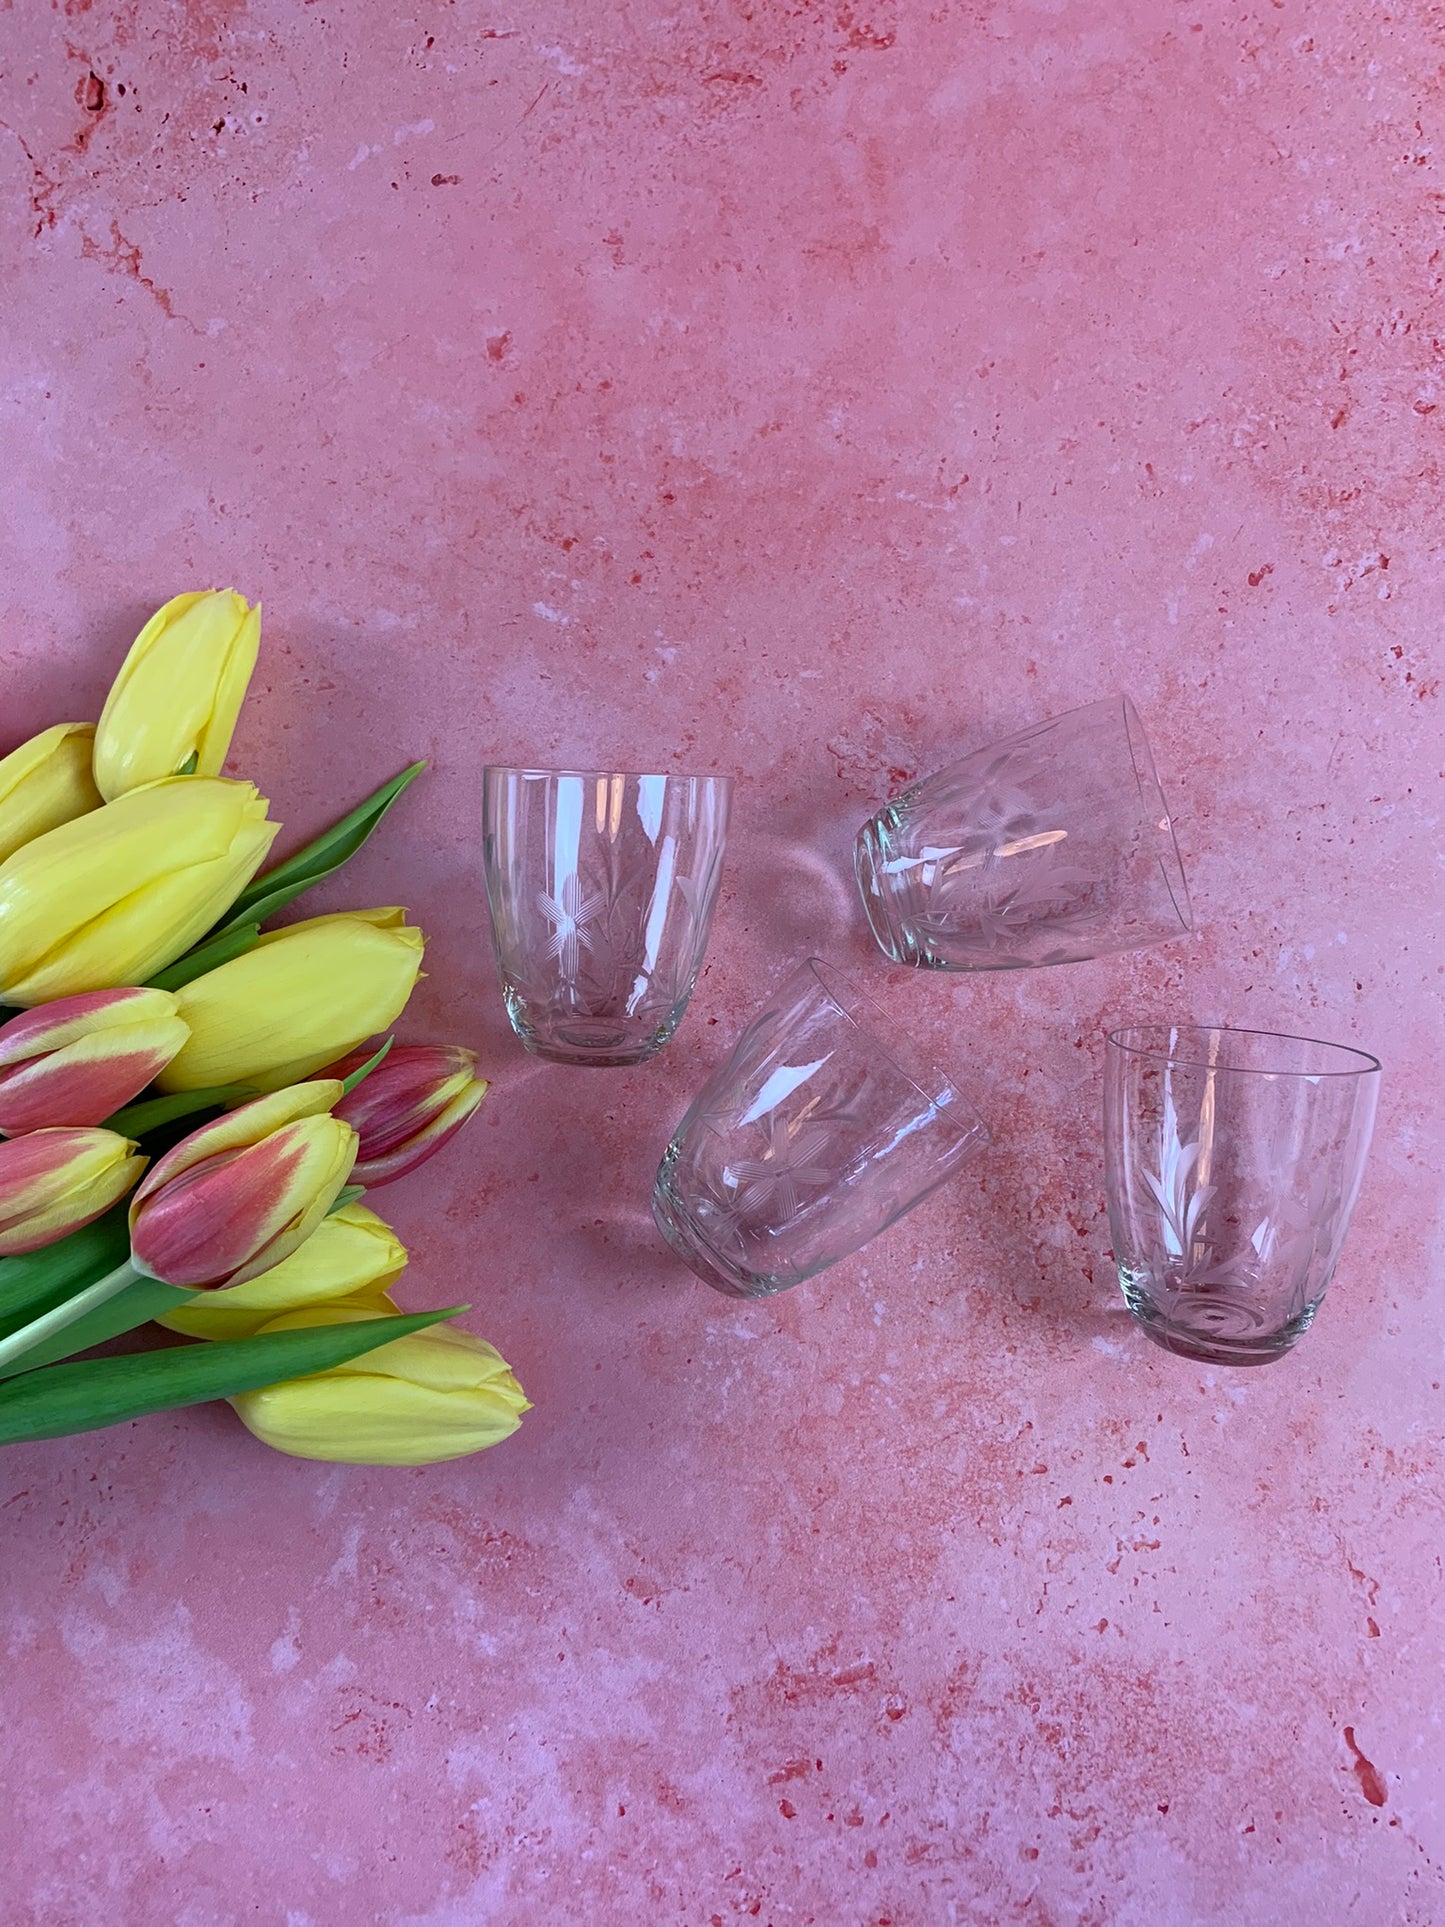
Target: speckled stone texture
803,390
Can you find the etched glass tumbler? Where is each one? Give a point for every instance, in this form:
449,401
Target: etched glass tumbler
601,889
1232,1161
1049,847
815,1135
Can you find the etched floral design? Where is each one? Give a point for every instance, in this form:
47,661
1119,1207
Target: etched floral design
792,1164
1285,1242
571,916
1003,885
993,800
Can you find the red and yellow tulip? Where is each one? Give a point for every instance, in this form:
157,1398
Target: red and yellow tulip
53,1182
78,1060
239,1195
418,1097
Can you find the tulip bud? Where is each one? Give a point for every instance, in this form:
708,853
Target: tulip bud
351,1257
418,1096
79,1060
433,1395
239,1195
174,705
44,783
300,998
53,1182
117,895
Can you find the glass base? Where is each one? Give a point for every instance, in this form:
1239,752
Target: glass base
894,939
1214,1327
586,1057
598,1043
699,1257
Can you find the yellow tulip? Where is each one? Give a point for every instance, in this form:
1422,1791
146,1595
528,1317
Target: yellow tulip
44,783
435,1394
117,895
179,692
351,1258
303,997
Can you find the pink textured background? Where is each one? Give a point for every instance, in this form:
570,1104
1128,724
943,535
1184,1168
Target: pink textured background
804,388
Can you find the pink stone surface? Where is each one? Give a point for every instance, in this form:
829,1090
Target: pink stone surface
804,391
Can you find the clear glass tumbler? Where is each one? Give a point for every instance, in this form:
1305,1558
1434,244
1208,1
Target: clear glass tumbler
601,889
1232,1161
815,1135
1049,847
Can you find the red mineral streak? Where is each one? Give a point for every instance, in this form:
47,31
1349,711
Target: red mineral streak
1372,1781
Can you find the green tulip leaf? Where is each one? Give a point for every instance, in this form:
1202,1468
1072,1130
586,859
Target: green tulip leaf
90,1393
153,1112
146,1299
36,1283
318,859
219,948
349,1084
348,1194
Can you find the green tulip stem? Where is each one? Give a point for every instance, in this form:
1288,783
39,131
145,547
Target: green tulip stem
54,1321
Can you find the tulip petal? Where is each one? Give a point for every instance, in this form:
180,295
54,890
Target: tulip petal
231,690
44,783
115,895
352,1258
89,1080
241,1128
241,1212
405,1091
301,998
381,1421
52,1025
387,1167
174,704
54,1182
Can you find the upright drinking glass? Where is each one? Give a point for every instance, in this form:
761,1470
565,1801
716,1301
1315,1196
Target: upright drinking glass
812,1138
1049,847
601,889
1232,1160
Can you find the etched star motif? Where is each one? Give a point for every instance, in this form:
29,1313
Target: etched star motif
790,1167
570,919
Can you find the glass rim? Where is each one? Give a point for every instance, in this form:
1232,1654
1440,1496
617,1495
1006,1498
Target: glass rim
1146,775
607,775
1130,1038
879,1029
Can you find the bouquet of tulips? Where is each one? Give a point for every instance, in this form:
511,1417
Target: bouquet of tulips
191,1105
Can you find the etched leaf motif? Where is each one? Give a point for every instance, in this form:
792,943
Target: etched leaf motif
1300,1230
1182,1203
1046,901
697,892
